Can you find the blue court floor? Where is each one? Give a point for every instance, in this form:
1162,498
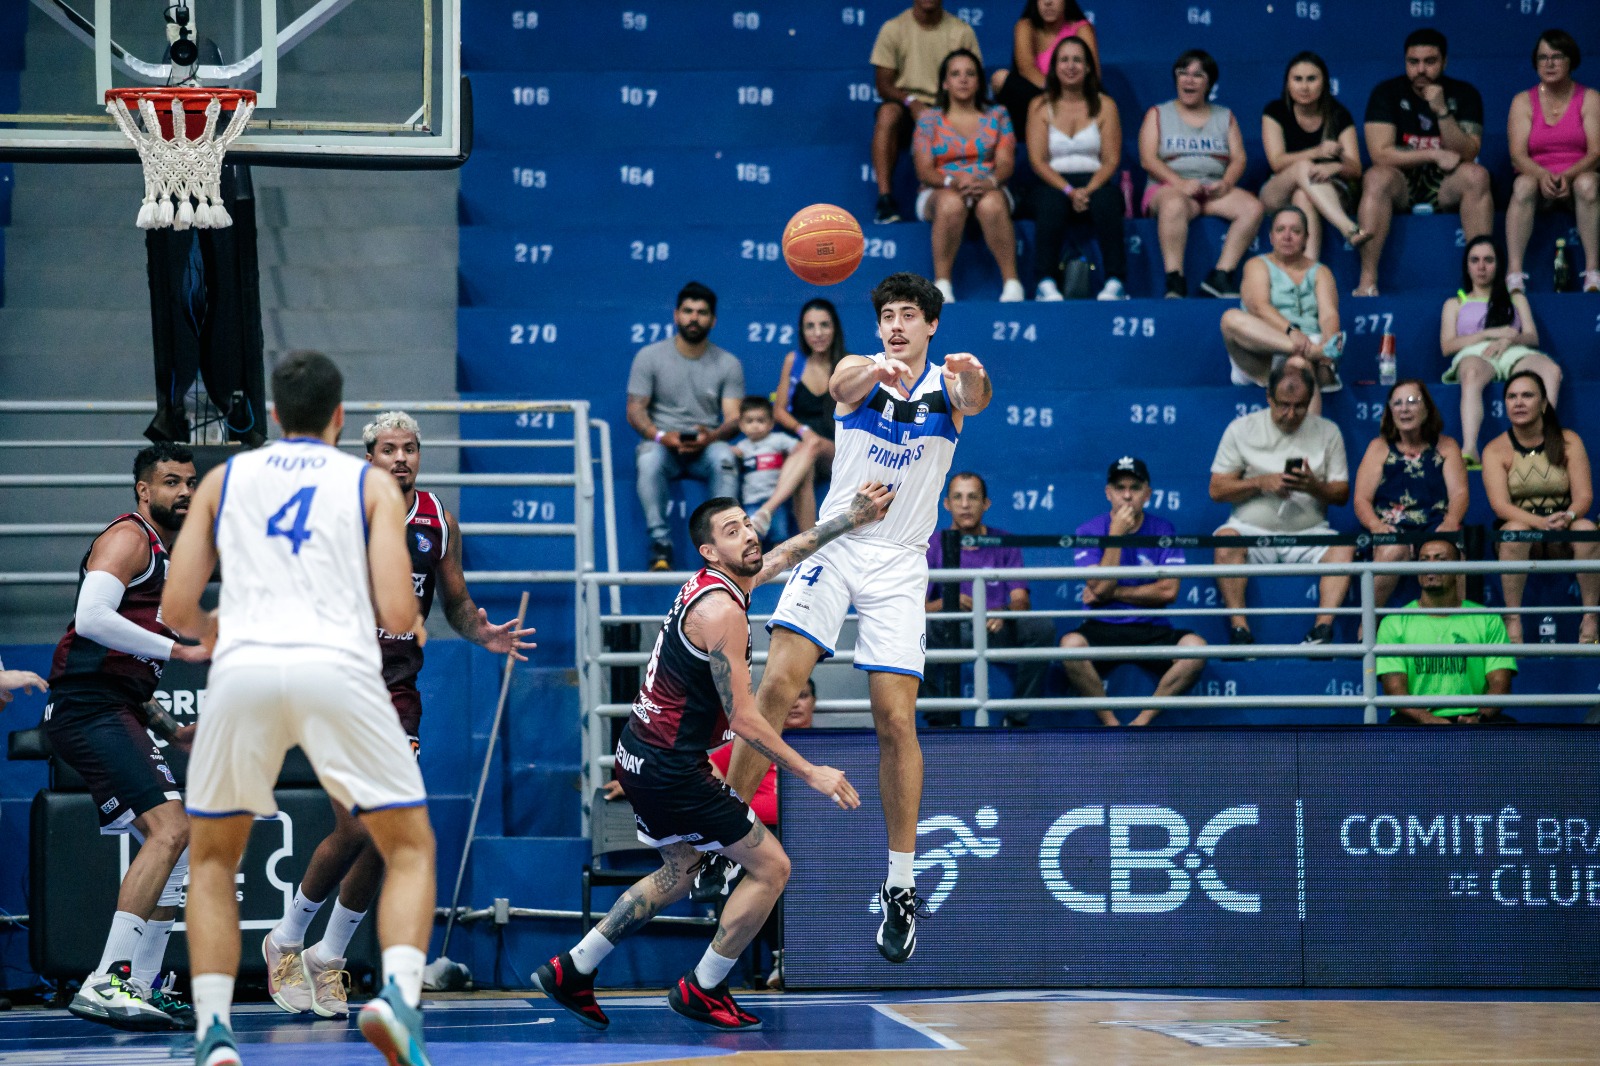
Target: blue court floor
900,1027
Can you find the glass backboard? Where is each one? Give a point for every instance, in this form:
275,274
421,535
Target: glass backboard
339,83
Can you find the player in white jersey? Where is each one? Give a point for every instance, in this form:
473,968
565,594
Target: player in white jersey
313,553
899,418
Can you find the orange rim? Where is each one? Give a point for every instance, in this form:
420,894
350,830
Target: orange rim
228,99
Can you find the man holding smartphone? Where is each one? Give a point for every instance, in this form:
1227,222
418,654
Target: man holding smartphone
683,400
1315,474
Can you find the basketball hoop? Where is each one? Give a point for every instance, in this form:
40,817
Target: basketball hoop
176,133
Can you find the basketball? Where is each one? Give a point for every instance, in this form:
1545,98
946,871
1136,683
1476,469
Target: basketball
822,244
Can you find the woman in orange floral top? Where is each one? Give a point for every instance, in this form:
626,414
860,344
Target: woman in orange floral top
965,151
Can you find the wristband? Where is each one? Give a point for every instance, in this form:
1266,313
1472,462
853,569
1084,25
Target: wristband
659,434
1571,517
803,431
1290,328
1067,189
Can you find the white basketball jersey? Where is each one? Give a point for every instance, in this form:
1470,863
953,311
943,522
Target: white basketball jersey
907,444
292,535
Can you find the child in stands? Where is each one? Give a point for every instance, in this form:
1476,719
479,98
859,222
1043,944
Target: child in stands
762,454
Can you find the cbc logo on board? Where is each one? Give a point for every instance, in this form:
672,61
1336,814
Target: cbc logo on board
1171,864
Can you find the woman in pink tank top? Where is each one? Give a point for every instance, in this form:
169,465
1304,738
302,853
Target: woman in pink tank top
1553,132
1042,26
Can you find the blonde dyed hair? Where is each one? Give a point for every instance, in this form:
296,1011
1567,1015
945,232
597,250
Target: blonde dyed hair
390,420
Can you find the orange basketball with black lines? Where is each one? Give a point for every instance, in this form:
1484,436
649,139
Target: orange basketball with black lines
822,244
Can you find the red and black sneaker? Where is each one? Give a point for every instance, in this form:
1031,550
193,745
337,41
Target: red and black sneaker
710,1006
560,980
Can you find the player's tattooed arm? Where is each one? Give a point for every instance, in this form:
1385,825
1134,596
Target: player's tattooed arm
159,721
726,631
967,383
465,616
871,502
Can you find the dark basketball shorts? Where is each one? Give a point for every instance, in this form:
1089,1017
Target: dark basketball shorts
1130,635
408,705
107,744
676,797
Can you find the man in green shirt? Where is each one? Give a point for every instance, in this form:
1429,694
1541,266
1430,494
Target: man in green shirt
1444,675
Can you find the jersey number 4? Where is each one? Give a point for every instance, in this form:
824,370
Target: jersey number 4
809,576
281,525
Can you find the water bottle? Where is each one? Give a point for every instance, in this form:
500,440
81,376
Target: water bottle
1562,271
1387,371
1547,629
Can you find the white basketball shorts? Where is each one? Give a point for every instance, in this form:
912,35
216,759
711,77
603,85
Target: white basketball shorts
259,704
886,582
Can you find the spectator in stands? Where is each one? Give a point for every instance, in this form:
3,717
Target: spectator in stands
1487,332
965,151
683,399
1288,313
762,454
1194,154
1536,475
1411,479
1128,491
1310,142
906,57
1555,148
1444,675
1424,131
967,500
1281,469
804,406
1075,146
1044,25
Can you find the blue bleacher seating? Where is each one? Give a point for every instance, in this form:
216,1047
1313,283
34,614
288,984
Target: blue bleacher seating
625,148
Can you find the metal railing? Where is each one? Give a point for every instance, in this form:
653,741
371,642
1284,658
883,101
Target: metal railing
589,434
600,706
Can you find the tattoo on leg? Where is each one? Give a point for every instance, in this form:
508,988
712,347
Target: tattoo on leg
717,941
631,913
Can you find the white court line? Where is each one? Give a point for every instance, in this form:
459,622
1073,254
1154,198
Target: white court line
1059,996
937,1037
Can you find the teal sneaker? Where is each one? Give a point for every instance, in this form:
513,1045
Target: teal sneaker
394,1028
217,1048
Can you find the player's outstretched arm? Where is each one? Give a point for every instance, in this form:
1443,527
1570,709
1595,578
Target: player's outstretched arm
855,376
967,383
194,560
871,502
724,630
466,617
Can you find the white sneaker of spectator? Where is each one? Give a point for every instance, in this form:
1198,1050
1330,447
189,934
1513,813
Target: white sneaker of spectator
1112,290
945,289
1047,293
1011,292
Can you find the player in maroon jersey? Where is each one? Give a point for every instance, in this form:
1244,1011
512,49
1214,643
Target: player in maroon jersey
104,672
302,978
696,696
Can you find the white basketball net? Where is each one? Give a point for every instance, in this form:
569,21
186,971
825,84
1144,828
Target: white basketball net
182,177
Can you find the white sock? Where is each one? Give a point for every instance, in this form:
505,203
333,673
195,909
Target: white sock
403,965
342,924
291,928
152,950
213,1000
901,865
591,951
127,932
713,969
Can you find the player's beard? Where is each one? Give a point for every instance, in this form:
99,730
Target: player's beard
694,333
739,568
166,517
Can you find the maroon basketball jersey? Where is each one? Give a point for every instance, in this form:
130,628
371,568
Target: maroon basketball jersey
427,537
80,663
678,706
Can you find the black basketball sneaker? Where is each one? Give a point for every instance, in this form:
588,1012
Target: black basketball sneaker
709,1006
560,980
897,934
